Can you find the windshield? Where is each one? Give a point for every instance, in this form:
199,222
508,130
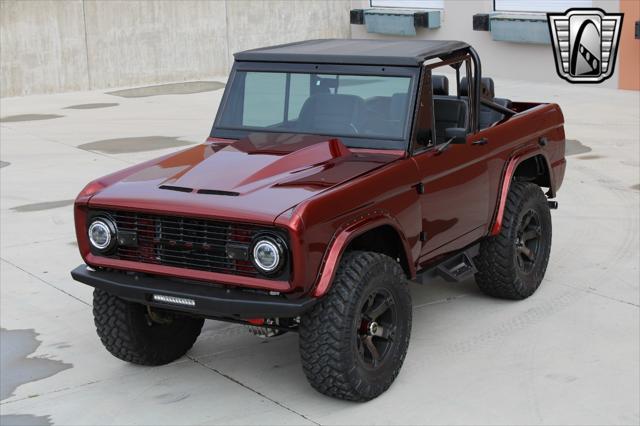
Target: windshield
363,110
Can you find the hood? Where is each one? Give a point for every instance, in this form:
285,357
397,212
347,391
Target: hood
255,178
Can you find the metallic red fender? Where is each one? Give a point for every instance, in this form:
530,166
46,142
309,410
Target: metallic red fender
512,166
344,236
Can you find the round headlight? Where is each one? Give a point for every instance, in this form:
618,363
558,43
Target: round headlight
101,233
268,254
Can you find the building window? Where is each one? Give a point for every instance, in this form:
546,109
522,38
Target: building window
409,4
538,5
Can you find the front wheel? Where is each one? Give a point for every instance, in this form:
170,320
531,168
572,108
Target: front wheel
511,265
354,341
137,334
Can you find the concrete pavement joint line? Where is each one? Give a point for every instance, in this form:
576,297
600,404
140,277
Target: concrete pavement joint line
66,388
81,385
46,282
253,390
445,300
29,243
613,299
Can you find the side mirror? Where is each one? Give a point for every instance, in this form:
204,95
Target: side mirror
455,135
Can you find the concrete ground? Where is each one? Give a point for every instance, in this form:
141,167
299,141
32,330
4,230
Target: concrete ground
568,355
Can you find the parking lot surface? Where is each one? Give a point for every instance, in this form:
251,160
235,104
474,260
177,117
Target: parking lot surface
567,355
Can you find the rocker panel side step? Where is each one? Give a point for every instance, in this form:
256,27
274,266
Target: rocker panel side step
455,268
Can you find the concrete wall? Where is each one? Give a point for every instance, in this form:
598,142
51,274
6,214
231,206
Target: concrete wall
519,61
49,46
65,45
42,47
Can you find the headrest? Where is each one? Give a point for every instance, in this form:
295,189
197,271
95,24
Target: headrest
338,104
440,85
487,89
398,106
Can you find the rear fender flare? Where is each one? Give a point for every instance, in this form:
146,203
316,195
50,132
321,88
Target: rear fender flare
344,236
510,170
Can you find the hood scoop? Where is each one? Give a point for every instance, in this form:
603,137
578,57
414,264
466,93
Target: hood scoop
176,188
218,192
199,191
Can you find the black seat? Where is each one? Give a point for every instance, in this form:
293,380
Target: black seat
385,116
440,85
449,112
327,112
488,116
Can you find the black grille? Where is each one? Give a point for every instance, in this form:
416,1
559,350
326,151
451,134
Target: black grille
182,242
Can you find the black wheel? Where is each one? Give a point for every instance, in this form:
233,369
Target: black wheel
512,264
137,334
354,341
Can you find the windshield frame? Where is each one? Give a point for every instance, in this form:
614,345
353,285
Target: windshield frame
351,141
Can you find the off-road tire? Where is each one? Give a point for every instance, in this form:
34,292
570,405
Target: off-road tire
499,274
329,333
128,332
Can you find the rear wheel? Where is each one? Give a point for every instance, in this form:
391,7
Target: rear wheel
354,341
511,265
138,334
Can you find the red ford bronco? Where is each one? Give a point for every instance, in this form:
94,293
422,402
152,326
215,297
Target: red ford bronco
335,171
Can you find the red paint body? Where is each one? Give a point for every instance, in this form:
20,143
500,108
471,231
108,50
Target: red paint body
325,194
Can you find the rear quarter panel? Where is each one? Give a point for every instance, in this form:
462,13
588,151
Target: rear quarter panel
537,130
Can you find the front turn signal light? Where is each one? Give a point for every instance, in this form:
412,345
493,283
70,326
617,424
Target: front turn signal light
92,188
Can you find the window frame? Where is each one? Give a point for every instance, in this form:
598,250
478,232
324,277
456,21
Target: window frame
368,142
408,4
426,99
568,5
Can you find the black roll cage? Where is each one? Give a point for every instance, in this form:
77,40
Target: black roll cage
455,60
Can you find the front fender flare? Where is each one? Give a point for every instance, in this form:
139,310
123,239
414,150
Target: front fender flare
344,236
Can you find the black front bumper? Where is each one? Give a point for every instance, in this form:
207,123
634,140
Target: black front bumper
208,300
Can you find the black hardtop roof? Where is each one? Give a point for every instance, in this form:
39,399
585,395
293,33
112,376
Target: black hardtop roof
355,52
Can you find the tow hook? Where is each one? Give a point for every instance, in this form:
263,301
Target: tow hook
553,205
